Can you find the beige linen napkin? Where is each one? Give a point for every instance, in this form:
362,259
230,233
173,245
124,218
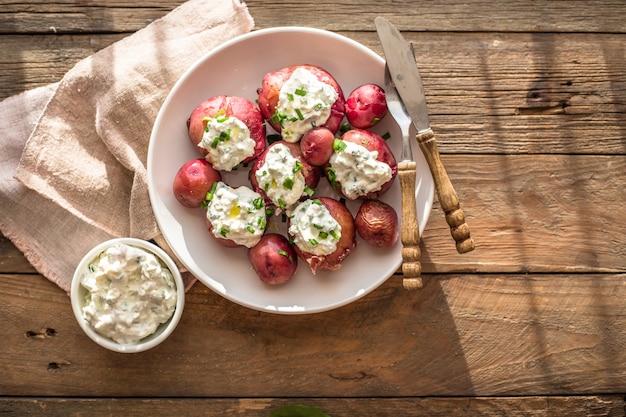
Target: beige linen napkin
82,174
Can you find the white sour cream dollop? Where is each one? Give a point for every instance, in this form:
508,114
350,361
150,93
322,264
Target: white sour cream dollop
313,228
237,214
130,293
358,170
227,141
304,102
281,177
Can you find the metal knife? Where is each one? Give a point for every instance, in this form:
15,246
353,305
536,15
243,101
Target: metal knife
406,78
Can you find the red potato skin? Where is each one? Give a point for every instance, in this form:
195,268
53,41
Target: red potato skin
366,106
233,106
311,173
270,265
345,245
377,223
317,145
193,181
273,82
373,142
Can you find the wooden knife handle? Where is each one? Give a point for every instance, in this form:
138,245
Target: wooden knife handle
445,191
409,228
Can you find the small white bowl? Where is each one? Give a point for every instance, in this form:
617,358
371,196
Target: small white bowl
78,293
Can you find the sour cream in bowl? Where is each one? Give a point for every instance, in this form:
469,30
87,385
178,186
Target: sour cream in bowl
127,295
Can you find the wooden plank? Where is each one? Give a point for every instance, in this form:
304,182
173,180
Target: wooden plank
487,93
581,406
83,17
477,15
12,260
37,60
573,223
461,335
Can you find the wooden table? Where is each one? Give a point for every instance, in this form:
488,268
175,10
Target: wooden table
529,103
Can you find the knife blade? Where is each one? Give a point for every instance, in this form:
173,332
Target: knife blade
407,80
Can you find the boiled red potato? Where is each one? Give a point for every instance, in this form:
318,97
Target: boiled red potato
235,217
362,165
323,232
300,97
377,223
317,146
366,105
282,176
227,130
273,259
193,181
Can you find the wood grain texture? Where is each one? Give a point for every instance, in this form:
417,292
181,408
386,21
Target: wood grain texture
467,335
533,213
581,406
528,102
476,15
487,93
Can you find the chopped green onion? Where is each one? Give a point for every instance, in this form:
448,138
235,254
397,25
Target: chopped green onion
225,135
281,203
220,116
386,136
290,96
309,191
288,183
331,174
297,167
334,234
211,193
258,203
319,106
224,231
339,145
300,115
344,128
250,229
215,142
278,118
317,226
283,252
318,202
313,242
300,92
323,235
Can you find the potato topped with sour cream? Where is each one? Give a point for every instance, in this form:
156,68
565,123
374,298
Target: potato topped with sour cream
297,98
227,130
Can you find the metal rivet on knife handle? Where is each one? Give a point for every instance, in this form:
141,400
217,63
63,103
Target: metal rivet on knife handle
445,191
409,228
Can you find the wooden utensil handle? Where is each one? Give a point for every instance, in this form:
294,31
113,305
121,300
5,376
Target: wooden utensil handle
409,227
445,191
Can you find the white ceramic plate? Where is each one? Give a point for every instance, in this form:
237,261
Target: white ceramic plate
237,68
